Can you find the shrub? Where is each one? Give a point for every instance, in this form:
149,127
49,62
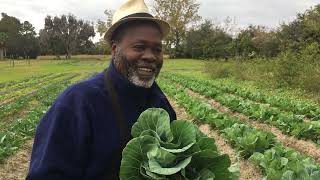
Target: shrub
288,69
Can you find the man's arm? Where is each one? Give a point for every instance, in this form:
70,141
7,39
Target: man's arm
60,149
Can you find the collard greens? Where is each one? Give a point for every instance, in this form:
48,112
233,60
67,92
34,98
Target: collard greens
177,150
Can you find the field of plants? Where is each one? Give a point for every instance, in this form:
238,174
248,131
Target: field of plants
267,134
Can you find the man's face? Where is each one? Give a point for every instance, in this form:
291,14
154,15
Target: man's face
138,56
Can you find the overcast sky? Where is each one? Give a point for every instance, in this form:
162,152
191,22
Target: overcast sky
258,12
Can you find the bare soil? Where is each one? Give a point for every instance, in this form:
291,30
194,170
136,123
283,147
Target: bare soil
16,166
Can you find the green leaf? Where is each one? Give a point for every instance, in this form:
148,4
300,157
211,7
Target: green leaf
184,136
2,139
284,161
211,160
164,158
288,175
134,155
155,167
154,119
160,150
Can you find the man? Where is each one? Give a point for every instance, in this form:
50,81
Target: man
84,132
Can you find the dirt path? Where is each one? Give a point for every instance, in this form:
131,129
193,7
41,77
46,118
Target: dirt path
247,169
16,166
306,147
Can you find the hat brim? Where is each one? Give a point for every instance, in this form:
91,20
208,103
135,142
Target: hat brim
163,25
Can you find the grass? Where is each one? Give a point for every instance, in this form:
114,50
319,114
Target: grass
79,57
23,70
194,68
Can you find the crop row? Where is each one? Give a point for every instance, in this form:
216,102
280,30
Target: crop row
29,83
288,123
248,141
22,101
299,107
29,89
14,134
22,81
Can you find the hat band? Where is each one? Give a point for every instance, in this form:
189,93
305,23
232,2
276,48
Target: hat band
138,15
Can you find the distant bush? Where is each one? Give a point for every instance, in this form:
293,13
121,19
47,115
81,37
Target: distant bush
288,70
310,79
240,69
219,69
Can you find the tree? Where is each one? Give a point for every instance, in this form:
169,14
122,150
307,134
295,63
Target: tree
243,44
301,32
311,21
179,14
11,26
102,26
208,41
66,35
29,43
20,38
291,35
3,39
266,43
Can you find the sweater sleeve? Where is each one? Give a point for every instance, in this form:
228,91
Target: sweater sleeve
61,144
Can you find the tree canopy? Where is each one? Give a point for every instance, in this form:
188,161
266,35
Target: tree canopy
179,14
19,38
65,35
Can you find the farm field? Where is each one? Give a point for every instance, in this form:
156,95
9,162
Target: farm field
266,133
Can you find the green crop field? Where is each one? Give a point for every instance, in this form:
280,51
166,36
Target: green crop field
267,133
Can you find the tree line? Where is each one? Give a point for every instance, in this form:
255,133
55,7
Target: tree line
190,36
17,39
61,35
194,37
206,40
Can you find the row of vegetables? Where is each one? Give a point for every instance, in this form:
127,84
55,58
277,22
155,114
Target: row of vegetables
8,87
297,106
15,132
22,82
32,85
26,96
260,147
287,122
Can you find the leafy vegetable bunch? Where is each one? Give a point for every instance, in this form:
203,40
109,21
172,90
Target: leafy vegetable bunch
177,150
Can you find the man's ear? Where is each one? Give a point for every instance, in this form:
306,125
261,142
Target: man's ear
113,48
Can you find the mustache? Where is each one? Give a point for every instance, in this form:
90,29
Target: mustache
142,63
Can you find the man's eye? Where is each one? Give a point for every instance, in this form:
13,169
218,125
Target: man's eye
158,50
139,47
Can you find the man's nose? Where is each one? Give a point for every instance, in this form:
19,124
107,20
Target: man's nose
149,55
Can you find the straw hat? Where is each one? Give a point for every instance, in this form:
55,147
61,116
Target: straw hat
134,10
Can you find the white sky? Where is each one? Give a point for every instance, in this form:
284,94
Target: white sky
267,12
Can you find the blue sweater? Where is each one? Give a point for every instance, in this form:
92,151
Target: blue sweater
76,137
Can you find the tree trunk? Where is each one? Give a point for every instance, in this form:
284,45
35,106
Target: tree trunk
1,53
69,56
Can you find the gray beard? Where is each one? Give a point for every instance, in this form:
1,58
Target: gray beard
129,71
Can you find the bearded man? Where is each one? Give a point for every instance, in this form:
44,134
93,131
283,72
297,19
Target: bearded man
84,132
